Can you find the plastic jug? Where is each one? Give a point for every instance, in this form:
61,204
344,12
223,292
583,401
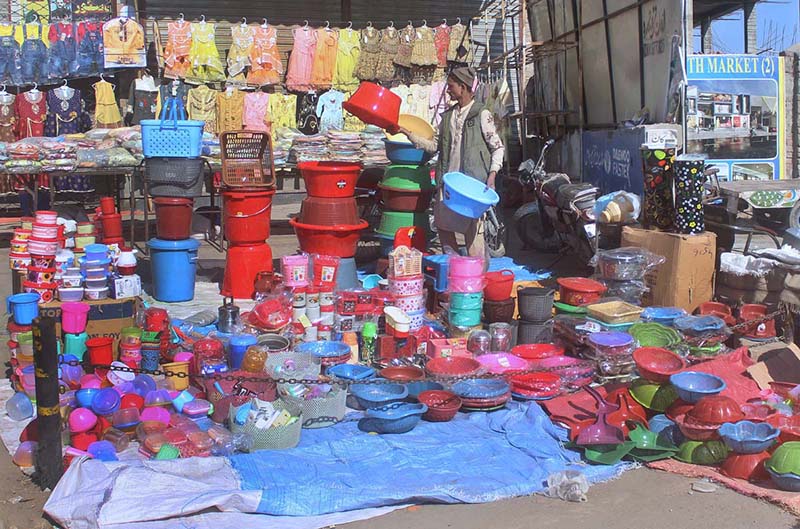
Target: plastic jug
620,208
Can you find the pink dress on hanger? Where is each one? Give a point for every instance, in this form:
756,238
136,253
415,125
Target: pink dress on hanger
256,111
301,60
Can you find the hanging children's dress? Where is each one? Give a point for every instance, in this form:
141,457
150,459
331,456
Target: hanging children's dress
390,42
346,59
66,113
307,120
460,48
439,101
424,51
265,57
241,47
324,58
352,123
106,112
230,108
32,111
404,93
201,104
8,118
256,111
61,54
176,53
367,65
123,44
301,60
283,110
329,111
9,55
142,100
408,35
441,40
206,64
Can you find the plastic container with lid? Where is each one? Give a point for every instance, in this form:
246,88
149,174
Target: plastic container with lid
610,343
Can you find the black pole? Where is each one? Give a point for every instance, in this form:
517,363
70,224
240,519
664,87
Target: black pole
49,462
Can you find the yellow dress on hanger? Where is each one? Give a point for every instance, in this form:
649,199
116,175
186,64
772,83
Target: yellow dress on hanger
283,110
201,104
106,113
206,64
239,53
230,110
324,58
344,77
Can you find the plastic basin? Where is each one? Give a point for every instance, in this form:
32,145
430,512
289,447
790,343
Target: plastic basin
373,396
408,177
391,221
657,364
403,153
467,196
339,241
716,409
174,217
747,437
397,199
397,419
328,211
691,386
376,105
330,179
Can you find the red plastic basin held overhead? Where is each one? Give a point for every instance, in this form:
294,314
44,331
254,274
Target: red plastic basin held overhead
376,105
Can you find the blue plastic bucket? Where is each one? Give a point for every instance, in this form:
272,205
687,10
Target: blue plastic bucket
238,347
23,307
173,265
467,196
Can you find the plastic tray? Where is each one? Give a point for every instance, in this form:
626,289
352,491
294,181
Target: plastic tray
615,312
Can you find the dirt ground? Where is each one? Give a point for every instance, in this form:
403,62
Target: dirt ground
639,499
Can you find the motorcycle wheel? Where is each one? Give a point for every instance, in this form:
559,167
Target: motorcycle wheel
794,216
494,234
528,223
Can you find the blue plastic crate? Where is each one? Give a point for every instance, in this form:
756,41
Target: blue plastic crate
435,268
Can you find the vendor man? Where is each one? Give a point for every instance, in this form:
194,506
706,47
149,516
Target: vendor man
467,141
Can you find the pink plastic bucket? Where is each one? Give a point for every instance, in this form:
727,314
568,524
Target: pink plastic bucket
74,315
466,266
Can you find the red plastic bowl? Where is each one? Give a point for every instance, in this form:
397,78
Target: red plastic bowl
442,405
402,373
749,467
678,408
577,291
539,385
376,105
697,431
452,366
330,179
656,364
788,425
339,241
716,409
537,351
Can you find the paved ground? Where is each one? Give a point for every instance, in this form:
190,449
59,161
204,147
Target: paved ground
640,499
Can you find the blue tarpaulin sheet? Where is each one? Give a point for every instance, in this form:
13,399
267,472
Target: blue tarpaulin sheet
476,458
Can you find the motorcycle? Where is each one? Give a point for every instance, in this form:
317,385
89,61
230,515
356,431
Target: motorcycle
561,218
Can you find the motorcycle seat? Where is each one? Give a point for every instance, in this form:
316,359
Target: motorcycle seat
553,183
583,195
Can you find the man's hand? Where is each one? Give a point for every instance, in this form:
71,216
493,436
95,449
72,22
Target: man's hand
405,131
491,179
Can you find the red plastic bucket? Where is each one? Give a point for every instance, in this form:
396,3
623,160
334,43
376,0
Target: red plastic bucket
339,241
247,215
112,225
174,217
100,351
330,179
498,285
107,205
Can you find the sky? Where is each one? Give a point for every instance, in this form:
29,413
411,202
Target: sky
774,17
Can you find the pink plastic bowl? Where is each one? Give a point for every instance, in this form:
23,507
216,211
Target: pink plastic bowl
499,363
155,414
81,420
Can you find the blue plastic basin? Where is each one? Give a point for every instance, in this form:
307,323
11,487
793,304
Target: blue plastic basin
747,437
692,386
467,196
399,418
374,396
401,153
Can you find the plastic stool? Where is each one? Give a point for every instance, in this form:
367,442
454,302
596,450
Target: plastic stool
435,268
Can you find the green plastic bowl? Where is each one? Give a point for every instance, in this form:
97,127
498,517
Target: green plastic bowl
655,335
466,300
391,221
702,453
785,459
656,397
563,308
408,177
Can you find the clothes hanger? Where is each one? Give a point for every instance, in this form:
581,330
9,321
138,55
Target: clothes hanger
350,27
424,23
444,22
264,23
328,26
458,21
369,24
391,24
3,90
244,22
181,19
35,89
305,25
202,19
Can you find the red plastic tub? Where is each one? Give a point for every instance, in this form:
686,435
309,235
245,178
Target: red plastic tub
330,179
339,241
107,205
328,211
376,105
174,217
498,285
112,225
577,291
247,215
405,199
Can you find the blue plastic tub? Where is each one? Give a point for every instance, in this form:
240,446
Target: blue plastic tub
401,153
374,396
350,372
173,265
663,315
96,252
481,388
237,347
467,196
692,386
398,418
323,349
23,307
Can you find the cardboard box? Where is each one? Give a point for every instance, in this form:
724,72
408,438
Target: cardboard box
107,317
686,279
777,362
126,287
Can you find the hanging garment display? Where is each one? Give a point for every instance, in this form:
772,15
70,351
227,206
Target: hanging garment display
240,50
390,41
346,59
9,55
404,93
439,101
66,113
324,58
366,67
176,53
689,180
408,35
256,111
460,48
329,111
201,104
659,209
142,100
206,64
61,56
176,88
230,108
424,51
123,44
307,121
33,52
8,117
31,111
441,40
419,101
283,110
90,49
106,111
265,58
301,60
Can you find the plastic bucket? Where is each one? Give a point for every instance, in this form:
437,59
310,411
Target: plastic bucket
74,316
535,303
238,346
173,265
107,206
23,307
467,196
339,241
75,345
100,350
461,266
330,179
247,215
498,285
112,226
177,383
174,217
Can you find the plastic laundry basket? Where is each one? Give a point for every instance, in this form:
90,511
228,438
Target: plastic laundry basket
171,136
322,412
